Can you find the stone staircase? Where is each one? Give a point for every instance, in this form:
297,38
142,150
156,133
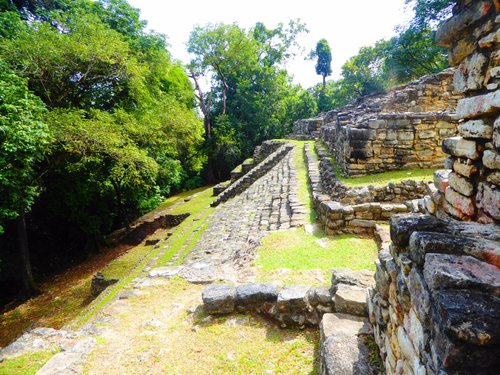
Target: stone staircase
248,179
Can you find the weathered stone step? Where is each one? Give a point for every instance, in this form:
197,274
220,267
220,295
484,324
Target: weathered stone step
342,349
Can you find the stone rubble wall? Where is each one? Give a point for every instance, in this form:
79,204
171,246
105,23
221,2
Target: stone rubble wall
308,127
144,227
338,218
265,149
470,190
293,305
399,192
258,171
435,308
401,128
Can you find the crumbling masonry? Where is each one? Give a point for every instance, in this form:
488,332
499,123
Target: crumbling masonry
436,305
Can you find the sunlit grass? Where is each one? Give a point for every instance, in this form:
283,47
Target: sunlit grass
26,364
382,179
297,250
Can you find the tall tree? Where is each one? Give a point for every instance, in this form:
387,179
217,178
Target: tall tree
24,138
324,62
248,95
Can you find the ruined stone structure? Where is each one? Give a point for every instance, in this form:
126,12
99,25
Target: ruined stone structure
436,305
398,129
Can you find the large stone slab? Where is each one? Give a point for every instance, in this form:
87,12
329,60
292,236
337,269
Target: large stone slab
445,271
342,350
422,243
249,296
350,299
469,316
219,299
478,105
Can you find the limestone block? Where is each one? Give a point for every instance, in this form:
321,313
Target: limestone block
496,133
464,169
460,202
448,32
469,75
293,297
350,299
470,317
403,225
413,326
475,129
453,211
406,345
405,136
488,199
460,147
490,39
446,271
461,49
428,134
362,223
491,159
441,179
494,178
478,105
253,295
363,278
420,296
219,299
422,243
461,184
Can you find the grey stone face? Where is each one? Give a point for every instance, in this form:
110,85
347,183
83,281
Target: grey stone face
250,295
219,299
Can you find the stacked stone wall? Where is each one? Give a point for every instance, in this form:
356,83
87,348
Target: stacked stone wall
435,308
336,217
399,192
469,190
401,128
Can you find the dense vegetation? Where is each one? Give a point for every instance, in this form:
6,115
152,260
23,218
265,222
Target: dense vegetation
99,123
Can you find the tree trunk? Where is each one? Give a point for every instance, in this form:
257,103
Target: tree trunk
324,82
121,209
28,283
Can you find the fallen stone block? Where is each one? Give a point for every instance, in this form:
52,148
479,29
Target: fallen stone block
219,299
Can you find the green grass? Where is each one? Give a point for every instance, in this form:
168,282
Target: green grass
26,364
298,250
382,179
129,266
169,202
